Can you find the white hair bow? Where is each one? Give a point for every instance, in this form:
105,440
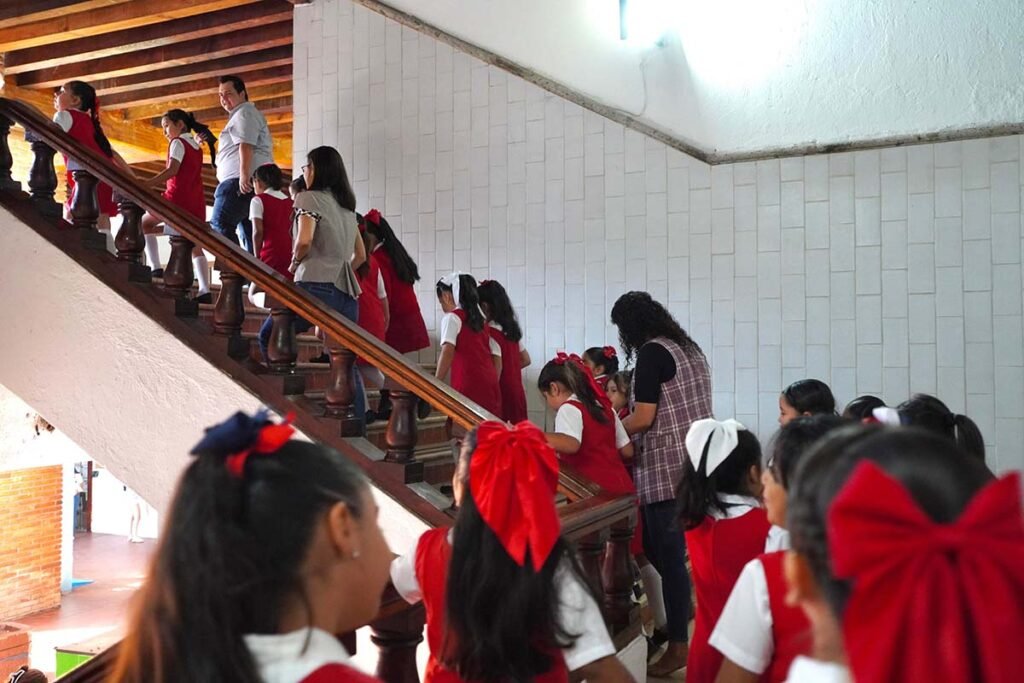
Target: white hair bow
887,416
719,437
454,281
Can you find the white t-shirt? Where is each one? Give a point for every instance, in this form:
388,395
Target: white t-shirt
256,204
497,326
64,120
569,421
291,657
744,629
778,539
451,325
735,506
807,670
579,612
177,148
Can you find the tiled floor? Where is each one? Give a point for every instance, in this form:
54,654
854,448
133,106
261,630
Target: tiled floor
117,568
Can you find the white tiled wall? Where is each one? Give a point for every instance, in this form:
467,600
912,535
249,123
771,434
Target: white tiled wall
879,272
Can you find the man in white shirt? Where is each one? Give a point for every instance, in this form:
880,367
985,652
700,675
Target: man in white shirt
244,145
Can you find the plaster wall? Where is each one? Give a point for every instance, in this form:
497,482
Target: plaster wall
884,271
738,76
125,391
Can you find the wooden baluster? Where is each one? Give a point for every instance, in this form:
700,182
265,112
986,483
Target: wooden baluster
401,434
617,573
130,242
396,637
178,275
283,348
341,392
42,178
85,209
229,311
7,181
590,549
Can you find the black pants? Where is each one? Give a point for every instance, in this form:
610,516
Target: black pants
665,547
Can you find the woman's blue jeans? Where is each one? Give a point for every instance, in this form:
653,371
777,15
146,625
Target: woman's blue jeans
341,302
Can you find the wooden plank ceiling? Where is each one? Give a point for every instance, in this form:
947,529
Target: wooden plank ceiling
147,56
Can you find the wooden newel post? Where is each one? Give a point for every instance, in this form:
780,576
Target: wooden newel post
590,549
7,181
229,311
85,209
178,275
341,392
397,637
283,349
42,178
617,573
130,241
401,434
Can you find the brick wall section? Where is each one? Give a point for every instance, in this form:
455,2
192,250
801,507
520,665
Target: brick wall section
30,539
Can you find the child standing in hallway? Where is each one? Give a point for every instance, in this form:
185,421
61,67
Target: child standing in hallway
503,327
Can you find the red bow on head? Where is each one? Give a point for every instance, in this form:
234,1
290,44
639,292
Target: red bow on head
930,602
373,215
513,477
608,351
270,438
602,397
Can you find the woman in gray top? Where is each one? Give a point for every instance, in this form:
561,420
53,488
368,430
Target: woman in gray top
326,246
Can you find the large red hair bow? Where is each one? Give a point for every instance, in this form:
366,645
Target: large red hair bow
373,215
930,601
513,476
608,352
269,438
561,358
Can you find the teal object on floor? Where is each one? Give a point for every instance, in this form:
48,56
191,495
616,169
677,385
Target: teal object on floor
77,583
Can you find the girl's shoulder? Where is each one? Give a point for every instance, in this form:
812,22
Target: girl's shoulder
335,673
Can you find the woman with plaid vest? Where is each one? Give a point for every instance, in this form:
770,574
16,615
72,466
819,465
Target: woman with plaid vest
671,390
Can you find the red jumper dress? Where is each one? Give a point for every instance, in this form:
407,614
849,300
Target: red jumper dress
371,309
791,631
407,331
473,372
513,395
433,553
83,131
719,549
276,251
185,189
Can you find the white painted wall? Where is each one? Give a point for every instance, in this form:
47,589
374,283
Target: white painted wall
131,395
879,272
745,75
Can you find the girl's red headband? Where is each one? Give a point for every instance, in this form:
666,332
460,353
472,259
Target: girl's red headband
608,352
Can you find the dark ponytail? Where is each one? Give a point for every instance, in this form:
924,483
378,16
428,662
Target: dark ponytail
574,377
697,493
90,103
469,300
405,267
191,125
494,295
930,413
230,560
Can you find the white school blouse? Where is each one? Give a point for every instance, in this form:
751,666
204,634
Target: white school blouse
256,204
569,421
807,670
290,657
451,325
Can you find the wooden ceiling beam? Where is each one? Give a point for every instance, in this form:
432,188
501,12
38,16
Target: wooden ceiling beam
177,54
148,111
278,105
241,64
115,17
194,90
16,12
58,50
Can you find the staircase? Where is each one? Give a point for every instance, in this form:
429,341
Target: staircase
213,351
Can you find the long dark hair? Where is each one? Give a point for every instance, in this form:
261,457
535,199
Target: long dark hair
937,474
810,396
500,306
930,413
182,116
271,175
329,176
87,95
794,439
573,377
862,407
502,619
640,319
697,493
405,267
229,559
469,300
597,356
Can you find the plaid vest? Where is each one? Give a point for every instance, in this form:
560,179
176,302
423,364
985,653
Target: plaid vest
683,399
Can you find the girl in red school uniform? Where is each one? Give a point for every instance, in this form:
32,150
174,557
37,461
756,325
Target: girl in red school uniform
374,312
617,390
272,550
504,594
908,559
78,115
602,363
726,527
503,327
183,186
588,435
271,214
759,634
467,349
